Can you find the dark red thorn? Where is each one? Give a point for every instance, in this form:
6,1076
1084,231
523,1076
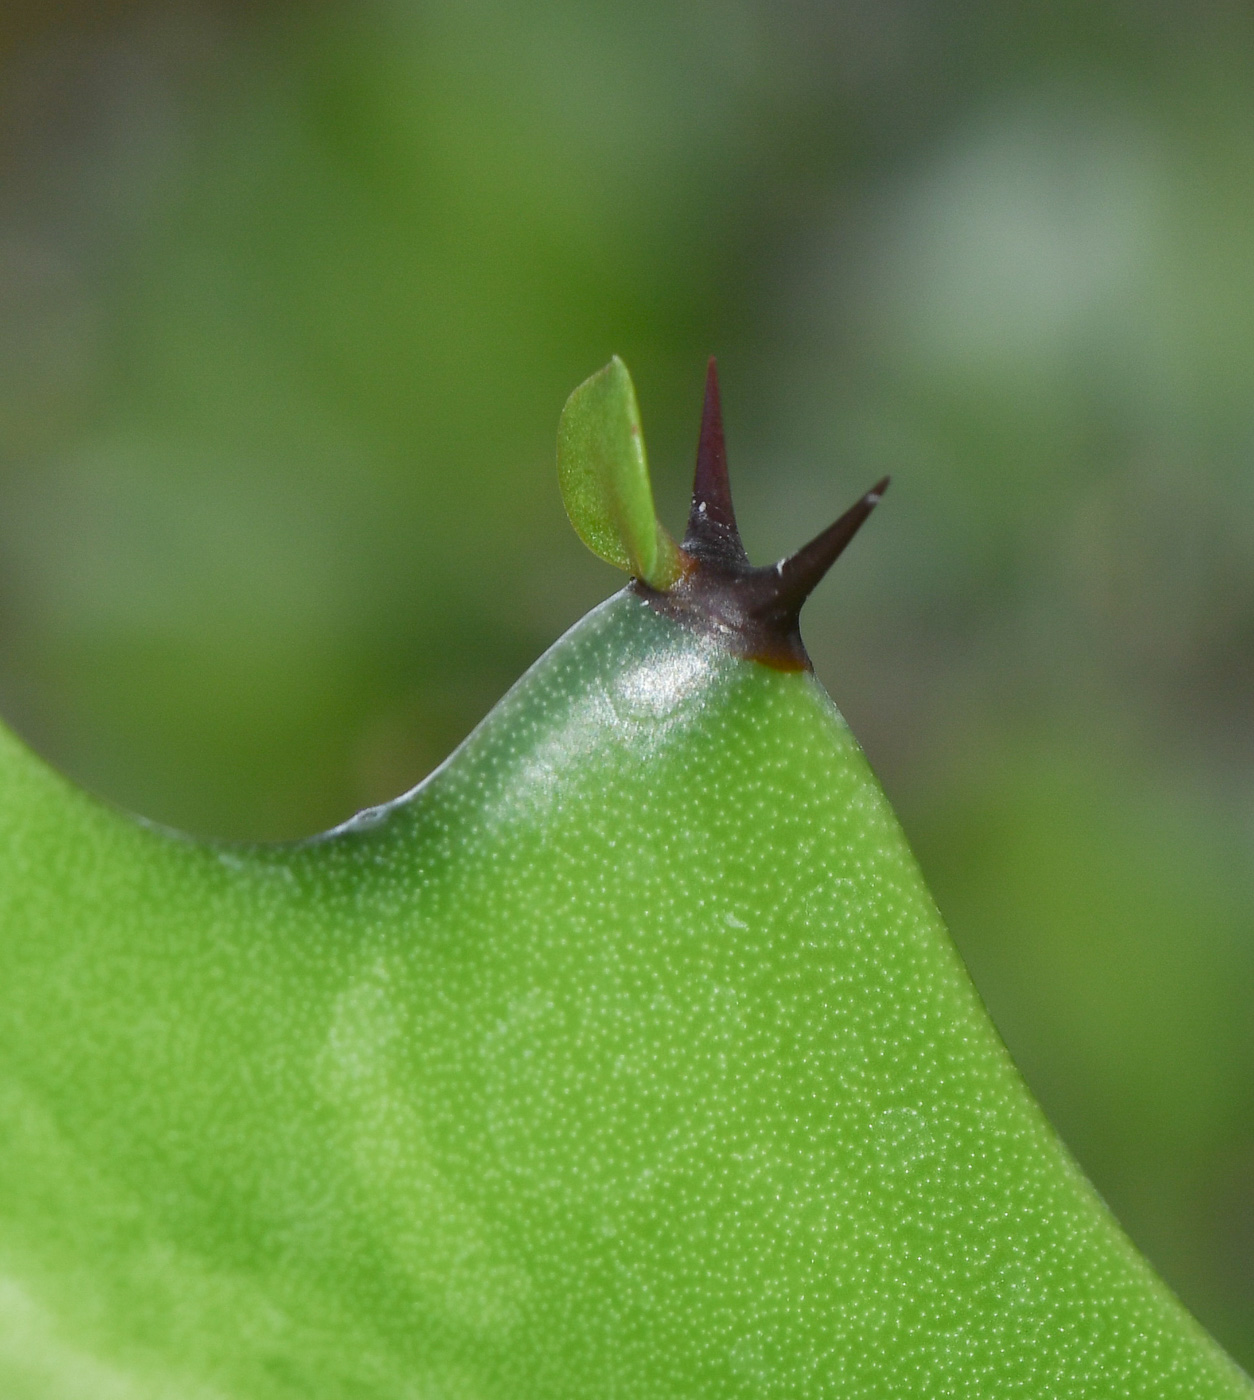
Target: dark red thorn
801,573
756,612
712,529
753,612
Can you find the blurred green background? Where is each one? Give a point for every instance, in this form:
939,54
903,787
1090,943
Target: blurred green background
290,298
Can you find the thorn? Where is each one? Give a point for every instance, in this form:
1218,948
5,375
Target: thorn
712,520
800,573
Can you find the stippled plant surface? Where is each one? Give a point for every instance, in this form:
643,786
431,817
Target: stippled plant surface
627,1056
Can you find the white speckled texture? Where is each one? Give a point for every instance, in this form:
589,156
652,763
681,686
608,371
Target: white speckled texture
627,1057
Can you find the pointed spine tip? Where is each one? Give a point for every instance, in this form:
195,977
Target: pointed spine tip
712,527
754,611
799,574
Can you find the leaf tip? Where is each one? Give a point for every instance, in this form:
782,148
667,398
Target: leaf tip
603,472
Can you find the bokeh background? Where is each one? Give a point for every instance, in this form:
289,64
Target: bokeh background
291,294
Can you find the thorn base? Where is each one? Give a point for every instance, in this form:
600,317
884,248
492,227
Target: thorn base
755,612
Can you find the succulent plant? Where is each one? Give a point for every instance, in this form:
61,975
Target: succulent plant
627,1055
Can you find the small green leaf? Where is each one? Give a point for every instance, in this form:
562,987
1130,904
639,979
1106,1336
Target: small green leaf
604,477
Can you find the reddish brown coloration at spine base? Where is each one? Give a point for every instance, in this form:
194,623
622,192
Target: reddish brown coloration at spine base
755,612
